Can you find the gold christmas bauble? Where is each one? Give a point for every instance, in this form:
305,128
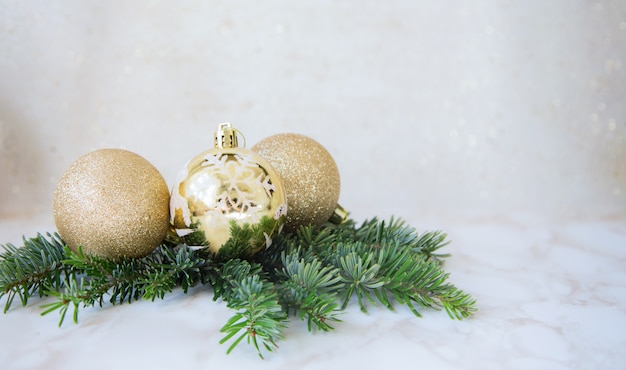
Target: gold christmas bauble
310,175
113,203
225,190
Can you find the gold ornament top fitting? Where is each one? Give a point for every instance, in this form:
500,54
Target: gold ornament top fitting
339,216
226,136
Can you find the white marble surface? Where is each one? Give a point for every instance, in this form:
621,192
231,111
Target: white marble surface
551,295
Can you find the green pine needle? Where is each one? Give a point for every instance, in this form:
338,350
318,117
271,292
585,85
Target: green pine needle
260,317
29,270
312,274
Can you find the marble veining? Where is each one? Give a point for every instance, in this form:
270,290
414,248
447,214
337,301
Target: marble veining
551,295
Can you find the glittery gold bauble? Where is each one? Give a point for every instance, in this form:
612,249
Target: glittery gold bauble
225,189
113,203
310,175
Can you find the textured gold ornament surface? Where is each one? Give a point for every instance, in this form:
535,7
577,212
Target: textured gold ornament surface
225,188
113,203
310,175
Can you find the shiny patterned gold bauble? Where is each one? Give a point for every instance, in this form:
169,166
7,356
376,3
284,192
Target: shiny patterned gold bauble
225,190
113,203
310,175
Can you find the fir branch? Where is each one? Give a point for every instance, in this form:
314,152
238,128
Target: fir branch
126,280
310,289
382,260
320,310
260,317
375,232
228,273
411,279
172,267
429,243
317,239
104,276
72,295
248,239
360,277
313,273
32,268
457,303
238,245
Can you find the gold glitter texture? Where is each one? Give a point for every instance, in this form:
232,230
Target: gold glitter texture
310,175
113,203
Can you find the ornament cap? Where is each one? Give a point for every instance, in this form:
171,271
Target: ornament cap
339,216
226,136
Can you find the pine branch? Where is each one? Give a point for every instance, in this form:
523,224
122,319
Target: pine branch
32,268
172,267
431,242
72,295
375,232
411,279
93,278
229,273
104,276
458,304
310,289
260,317
391,259
320,310
360,277
313,273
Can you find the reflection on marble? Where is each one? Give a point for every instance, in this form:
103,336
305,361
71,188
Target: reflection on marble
551,295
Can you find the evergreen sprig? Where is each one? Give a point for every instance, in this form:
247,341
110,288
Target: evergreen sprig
32,269
92,278
312,274
260,317
309,288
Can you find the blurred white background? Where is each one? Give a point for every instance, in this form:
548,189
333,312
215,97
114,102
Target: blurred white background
431,109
